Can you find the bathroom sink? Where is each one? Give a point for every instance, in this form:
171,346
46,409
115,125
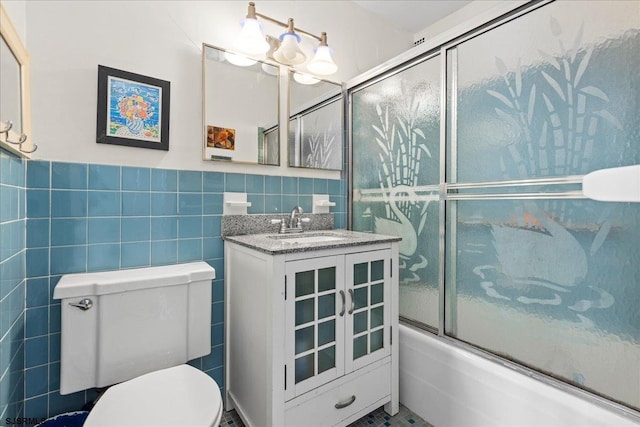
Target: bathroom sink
313,239
309,238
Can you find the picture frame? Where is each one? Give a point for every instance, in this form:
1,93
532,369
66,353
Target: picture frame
221,137
132,110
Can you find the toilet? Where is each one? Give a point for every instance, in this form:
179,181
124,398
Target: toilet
134,330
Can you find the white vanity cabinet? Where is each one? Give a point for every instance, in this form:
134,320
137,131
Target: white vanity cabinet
311,334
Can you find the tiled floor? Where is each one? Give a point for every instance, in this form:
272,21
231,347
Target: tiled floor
377,418
404,418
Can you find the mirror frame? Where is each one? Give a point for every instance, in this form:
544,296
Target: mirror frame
308,108
204,111
11,37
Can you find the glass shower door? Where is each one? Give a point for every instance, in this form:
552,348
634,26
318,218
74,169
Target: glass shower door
537,273
534,272
396,157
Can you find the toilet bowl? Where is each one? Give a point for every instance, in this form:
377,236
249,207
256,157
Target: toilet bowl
134,330
178,396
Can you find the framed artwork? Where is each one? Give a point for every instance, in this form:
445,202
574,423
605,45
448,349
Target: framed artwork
133,109
219,137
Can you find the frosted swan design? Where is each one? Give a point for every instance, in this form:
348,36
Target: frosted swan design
403,226
559,258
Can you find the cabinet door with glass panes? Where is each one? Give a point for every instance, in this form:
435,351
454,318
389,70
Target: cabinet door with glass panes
315,311
368,320
336,319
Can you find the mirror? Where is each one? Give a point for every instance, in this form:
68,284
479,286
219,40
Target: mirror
315,123
240,108
10,87
15,118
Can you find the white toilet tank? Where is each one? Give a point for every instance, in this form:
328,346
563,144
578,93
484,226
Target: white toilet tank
118,325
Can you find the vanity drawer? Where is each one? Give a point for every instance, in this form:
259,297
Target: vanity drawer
319,409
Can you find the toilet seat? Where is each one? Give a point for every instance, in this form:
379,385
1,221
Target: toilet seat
178,396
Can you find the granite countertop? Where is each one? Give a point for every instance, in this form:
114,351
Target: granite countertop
274,243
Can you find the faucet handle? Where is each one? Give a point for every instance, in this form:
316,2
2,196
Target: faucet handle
282,222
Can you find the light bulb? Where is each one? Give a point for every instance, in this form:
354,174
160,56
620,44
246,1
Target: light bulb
289,52
322,63
251,40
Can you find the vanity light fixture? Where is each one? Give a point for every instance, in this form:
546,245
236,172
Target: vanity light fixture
289,52
322,63
273,70
253,42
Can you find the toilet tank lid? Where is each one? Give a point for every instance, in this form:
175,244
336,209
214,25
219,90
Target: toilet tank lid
109,282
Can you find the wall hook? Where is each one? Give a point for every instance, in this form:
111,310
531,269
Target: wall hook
8,128
20,140
34,148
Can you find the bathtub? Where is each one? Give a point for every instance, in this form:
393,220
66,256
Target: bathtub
450,386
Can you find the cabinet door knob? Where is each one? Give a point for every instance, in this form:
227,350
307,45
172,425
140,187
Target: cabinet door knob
353,302
341,405
344,302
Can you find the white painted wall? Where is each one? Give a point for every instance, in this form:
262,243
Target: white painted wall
472,11
444,31
17,11
68,39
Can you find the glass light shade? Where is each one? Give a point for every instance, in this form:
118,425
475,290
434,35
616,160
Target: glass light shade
289,52
251,40
322,64
239,60
305,79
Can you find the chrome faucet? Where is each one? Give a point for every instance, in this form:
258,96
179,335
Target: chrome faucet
294,221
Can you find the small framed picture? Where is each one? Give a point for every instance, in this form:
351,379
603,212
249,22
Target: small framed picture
219,137
133,109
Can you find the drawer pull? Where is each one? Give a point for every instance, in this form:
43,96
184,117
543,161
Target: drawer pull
341,405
